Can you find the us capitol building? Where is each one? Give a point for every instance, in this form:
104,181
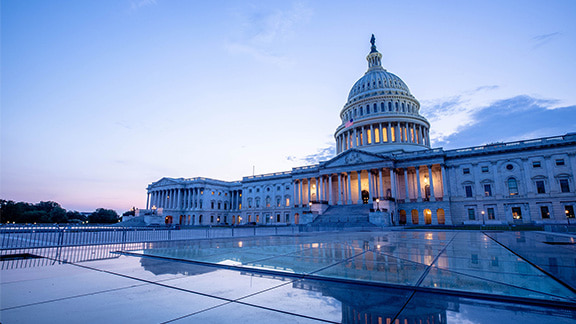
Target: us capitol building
385,173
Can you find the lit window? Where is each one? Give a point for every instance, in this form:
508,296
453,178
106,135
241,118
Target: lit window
512,187
491,214
540,187
212,192
516,212
536,164
287,202
466,171
564,185
544,212
487,190
569,211
560,162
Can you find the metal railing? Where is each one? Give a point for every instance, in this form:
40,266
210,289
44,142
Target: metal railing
14,237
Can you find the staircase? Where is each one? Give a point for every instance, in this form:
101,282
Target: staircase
348,215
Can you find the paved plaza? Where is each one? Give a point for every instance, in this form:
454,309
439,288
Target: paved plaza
352,277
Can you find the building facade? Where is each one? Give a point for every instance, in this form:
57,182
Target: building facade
385,164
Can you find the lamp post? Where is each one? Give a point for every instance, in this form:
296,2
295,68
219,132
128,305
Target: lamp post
310,205
567,216
378,204
483,223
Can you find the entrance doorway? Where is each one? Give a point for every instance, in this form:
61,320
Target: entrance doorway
365,196
168,220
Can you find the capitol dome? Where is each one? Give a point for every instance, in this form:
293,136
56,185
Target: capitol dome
381,115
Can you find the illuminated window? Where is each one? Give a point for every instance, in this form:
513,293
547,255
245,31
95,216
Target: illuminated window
287,202
369,135
569,211
212,192
377,135
544,212
512,187
487,190
516,212
491,214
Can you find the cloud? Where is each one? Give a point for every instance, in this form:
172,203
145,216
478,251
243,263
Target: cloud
511,119
544,39
448,115
321,155
260,34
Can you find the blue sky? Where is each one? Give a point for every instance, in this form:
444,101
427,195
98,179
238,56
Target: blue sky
101,98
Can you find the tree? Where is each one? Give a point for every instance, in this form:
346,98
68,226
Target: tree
76,216
58,215
102,216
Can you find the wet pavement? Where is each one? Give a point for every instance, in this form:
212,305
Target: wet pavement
362,277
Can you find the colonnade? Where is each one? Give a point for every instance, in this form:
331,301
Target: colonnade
379,133
187,198
409,184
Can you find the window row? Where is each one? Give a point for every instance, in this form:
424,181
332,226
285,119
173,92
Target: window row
268,202
516,211
512,184
396,106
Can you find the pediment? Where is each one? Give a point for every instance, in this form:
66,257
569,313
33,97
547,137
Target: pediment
165,182
353,157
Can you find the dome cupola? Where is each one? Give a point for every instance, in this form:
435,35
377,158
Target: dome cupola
381,115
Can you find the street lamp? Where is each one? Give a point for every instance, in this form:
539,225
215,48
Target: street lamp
483,223
378,204
567,216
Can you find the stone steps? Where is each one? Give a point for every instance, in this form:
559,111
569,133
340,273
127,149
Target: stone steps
355,215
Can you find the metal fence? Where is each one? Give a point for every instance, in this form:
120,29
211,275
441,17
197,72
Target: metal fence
13,237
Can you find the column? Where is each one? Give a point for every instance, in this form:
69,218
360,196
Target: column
432,197
294,192
388,132
359,187
444,189
364,136
349,180
300,189
330,189
381,183
354,139
418,187
380,135
398,133
406,184
372,137
339,189
393,182
318,189
370,188
309,180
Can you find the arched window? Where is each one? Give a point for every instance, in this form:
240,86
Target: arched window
414,213
396,106
375,108
389,106
427,216
512,187
382,107
441,216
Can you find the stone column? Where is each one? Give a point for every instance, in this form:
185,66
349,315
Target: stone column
372,137
339,189
349,180
380,135
370,189
355,139
381,193
309,180
393,182
330,189
318,189
419,187
300,192
444,188
364,137
432,196
406,184
359,173
389,133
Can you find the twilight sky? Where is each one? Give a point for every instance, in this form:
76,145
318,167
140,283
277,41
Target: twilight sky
101,98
